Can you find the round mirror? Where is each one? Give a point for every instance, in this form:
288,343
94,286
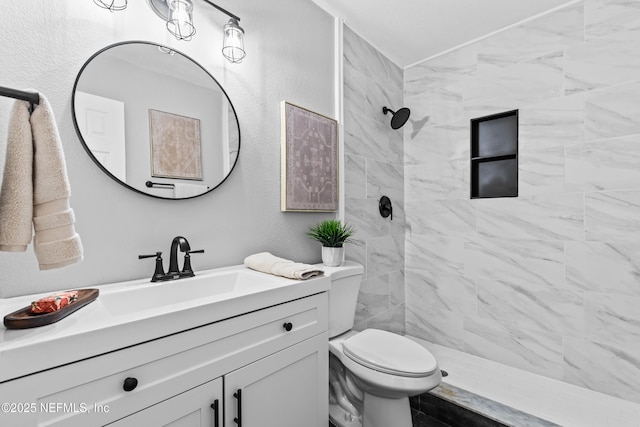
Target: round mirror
155,120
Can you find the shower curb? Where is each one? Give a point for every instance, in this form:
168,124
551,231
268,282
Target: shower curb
454,406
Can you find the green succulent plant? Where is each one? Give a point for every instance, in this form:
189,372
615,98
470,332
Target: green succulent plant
332,233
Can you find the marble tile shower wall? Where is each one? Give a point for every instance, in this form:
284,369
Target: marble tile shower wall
549,281
373,168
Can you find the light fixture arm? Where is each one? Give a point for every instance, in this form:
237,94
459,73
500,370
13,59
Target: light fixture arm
226,12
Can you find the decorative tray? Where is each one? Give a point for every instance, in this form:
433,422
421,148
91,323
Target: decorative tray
24,318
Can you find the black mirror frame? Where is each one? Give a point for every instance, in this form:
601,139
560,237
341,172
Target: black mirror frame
102,167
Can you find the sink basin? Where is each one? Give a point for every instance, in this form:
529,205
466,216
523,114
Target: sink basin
136,298
132,312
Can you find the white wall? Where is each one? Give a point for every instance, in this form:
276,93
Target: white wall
290,57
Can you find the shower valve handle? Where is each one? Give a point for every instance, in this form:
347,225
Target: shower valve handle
385,207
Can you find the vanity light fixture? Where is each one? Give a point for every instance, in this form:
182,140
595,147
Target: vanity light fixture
179,17
180,20
112,5
233,45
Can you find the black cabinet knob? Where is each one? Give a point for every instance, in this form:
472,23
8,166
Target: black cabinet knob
287,326
130,384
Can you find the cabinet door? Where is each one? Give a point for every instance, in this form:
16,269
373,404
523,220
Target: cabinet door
198,407
287,389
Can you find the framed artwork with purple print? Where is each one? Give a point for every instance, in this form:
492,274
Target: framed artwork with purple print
309,167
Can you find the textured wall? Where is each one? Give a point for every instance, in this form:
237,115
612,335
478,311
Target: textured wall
43,47
373,168
549,281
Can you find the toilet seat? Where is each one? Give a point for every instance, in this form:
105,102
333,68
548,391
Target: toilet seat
389,353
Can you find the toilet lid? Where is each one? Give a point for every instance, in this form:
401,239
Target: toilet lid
389,353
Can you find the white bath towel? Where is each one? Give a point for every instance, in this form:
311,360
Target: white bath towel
268,263
35,190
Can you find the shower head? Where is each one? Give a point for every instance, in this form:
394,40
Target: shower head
399,118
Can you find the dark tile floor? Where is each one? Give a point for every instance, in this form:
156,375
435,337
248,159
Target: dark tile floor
449,406
441,413
422,420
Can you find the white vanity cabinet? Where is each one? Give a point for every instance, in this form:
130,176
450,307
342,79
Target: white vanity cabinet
275,359
198,407
282,390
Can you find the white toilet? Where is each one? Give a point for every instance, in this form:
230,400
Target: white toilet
372,373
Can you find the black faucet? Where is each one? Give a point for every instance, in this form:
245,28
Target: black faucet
173,260
174,271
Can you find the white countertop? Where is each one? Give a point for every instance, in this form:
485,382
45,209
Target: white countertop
104,325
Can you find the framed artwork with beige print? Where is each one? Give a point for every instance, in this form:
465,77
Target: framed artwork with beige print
309,161
175,146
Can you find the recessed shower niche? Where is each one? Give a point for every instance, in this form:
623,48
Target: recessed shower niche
494,155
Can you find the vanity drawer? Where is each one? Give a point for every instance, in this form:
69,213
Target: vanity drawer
91,392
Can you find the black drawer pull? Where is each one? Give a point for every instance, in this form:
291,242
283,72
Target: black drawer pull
216,413
238,396
130,384
287,326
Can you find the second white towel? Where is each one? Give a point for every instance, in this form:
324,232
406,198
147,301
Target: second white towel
268,263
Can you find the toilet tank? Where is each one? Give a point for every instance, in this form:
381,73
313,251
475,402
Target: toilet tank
343,295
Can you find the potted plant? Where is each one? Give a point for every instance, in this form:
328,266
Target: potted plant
333,235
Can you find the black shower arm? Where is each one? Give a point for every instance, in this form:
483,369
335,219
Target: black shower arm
386,110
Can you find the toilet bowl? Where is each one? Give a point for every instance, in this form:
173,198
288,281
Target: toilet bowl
372,373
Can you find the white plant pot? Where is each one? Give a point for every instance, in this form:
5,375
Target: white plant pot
332,257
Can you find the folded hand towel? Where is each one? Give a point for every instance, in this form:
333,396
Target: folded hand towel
268,263
35,189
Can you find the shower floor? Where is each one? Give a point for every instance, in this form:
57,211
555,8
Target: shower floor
546,399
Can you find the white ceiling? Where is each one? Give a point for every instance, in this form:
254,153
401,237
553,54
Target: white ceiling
409,31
